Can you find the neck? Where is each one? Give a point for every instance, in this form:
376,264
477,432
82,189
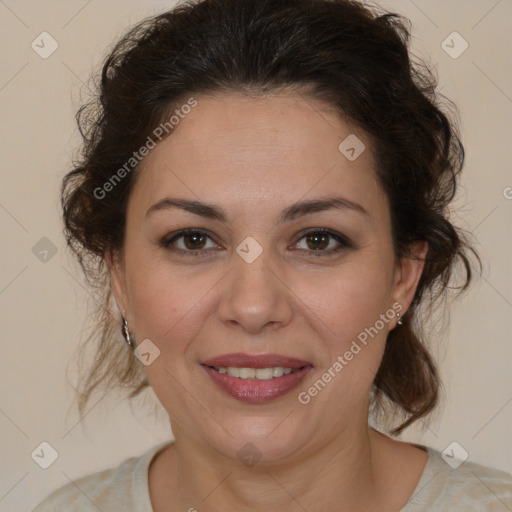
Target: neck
340,474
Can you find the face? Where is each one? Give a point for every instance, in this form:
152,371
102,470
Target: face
264,278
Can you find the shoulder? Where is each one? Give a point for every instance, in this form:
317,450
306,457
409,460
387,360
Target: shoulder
468,487
119,488
85,493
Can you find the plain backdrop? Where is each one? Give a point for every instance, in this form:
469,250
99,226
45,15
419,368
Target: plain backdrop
43,298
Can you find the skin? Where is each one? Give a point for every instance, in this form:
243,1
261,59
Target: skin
253,156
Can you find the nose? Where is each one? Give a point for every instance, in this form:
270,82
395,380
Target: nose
255,295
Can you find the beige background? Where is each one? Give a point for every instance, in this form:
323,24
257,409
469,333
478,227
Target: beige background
43,304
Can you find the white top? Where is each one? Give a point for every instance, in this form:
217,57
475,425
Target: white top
470,487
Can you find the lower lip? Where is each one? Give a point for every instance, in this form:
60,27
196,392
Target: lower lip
257,391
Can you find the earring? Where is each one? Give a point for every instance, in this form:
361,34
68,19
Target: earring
400,321
130,340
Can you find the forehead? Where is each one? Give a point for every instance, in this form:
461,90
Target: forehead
266,150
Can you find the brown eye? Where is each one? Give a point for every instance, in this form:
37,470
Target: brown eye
317,241
194,240
190,242
324,242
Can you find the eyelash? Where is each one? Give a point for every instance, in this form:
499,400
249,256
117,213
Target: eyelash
341,239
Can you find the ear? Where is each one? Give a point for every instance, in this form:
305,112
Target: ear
116,268
407,275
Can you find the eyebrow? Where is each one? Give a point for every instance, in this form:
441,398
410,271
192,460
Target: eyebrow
299,209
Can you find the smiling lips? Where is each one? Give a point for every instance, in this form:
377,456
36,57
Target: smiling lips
256,378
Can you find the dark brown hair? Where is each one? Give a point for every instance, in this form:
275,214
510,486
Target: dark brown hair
352,57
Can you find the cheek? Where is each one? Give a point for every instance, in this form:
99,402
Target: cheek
168,305
168,308
350,299
354,310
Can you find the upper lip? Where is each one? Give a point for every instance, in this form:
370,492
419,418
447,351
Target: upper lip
242,360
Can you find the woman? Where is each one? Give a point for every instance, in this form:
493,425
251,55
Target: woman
264,190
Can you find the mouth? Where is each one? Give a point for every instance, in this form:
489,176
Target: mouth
255,373
256,378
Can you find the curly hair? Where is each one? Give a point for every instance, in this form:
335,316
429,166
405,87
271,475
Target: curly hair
353,57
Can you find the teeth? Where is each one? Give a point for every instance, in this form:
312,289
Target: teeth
277,372
264,373
234,371
247,373
255,373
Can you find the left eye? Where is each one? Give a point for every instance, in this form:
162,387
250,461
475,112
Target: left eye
319,241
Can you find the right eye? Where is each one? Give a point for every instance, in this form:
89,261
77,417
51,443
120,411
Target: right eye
193,242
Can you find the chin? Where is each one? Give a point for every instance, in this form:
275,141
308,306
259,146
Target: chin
254,439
